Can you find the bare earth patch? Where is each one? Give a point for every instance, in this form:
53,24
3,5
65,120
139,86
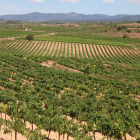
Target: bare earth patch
58,66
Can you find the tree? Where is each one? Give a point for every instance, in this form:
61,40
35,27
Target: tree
30,37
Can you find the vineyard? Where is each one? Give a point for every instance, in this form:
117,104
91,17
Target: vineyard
48,98
69,86
77,50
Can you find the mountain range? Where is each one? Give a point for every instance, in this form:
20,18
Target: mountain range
75,17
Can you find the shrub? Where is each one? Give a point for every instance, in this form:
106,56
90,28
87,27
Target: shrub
30,37
128,30
119,28
125,36
138,31
115,25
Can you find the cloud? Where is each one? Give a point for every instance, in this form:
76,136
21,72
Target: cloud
35,1
69,1
137,2
108,1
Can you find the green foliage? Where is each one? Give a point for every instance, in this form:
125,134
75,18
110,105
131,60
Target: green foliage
30,37
125,36
129,30
14,33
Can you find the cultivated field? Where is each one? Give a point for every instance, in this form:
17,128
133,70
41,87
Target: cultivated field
61,49
79,84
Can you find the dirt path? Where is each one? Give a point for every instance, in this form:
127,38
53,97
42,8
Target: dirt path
73,48
59,49
62,50
41,46
84,48
81,50
69,49
51,48
88,49
55,47
46,51
77,50
44,47
29,51
66,49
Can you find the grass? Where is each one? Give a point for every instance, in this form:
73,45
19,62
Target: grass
15,33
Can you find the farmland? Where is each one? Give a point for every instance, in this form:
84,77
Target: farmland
73,85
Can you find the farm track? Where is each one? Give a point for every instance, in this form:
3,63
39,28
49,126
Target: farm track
59,49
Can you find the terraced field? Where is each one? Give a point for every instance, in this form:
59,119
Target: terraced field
61,49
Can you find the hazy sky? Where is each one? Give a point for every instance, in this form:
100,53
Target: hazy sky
110,7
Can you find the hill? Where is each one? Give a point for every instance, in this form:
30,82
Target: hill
75,17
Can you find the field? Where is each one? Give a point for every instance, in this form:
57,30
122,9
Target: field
72,85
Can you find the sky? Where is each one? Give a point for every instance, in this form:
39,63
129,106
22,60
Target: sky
109,7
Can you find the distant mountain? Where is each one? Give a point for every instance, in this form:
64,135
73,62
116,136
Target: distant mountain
36,16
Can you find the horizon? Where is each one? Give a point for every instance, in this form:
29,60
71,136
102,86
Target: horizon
66,13
87,7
